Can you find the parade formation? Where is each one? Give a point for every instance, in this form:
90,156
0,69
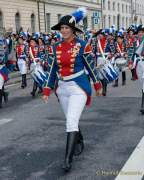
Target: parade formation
67,61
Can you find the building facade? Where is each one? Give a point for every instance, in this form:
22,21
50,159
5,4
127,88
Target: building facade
122,13
40,15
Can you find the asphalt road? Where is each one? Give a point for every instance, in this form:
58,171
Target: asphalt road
32,135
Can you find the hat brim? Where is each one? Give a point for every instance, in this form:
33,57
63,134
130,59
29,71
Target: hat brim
99,32
141,29
57,27
120,36
130,30
21,37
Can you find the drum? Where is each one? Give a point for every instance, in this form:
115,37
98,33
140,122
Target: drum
100,60
4,72
121,63
108,72
1,81
38,74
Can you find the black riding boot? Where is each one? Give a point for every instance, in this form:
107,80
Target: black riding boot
1,95
142,104
40,90
34,89
116,83
5,95
123,78
79,144
133,74
23,81
104,85
70,147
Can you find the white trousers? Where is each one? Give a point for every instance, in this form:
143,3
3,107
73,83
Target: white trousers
72,99
1,81
22,66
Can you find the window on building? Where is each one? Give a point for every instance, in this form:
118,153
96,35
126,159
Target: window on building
59,17
109,5
123,22
85,23
48,22
33,23
109,21
92,22
126,9
104,21
113,6
118,21
122,8
1,21
17,22
118,7
130,21
127,23
114,20
103,4
130,9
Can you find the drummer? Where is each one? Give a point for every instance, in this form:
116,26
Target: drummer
121,52
103,53
34,59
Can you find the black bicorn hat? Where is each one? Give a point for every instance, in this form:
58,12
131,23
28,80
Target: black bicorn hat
131,29
67,20
140,28
72,20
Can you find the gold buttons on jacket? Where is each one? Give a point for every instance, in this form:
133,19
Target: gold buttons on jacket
58,61
72,65
58,56
58,52
72,60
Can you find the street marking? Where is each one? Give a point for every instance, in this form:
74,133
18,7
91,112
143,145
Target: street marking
11,85
5,120
134,167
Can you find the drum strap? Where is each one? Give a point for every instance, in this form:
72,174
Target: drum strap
101,50
31,54
119,49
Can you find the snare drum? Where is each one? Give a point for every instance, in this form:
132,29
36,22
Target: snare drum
121,63
38,74
4,72
108,72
